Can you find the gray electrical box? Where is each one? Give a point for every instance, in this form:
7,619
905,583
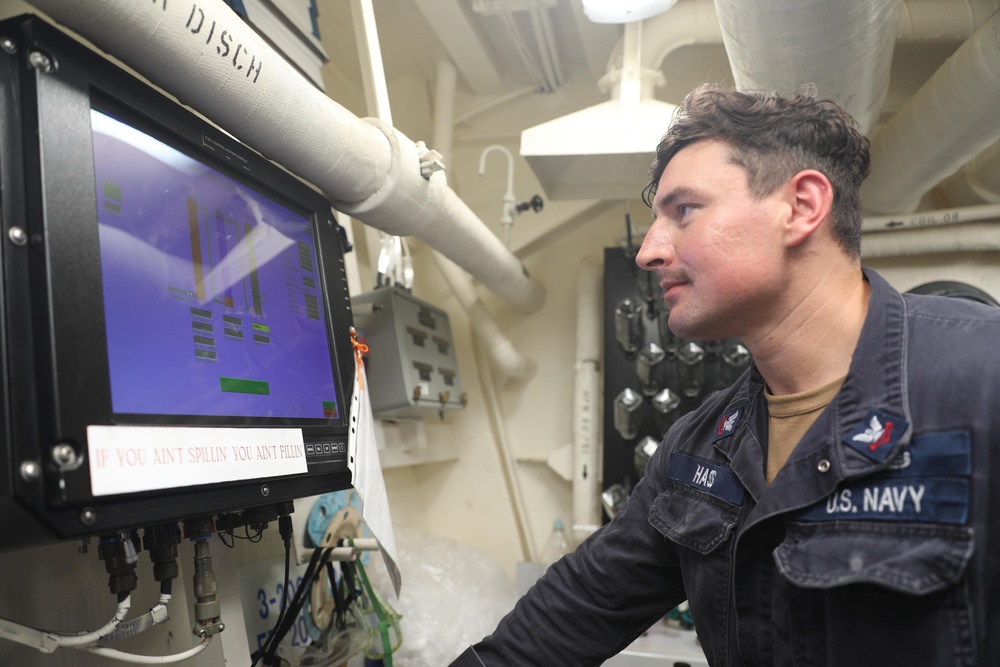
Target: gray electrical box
412,370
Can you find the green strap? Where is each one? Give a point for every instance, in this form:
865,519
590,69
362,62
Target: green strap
383,623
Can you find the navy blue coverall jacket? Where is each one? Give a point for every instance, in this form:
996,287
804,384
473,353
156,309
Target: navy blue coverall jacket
877,544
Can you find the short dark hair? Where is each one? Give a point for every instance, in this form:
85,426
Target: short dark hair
773,138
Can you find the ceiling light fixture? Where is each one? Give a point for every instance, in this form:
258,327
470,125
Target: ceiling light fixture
624,11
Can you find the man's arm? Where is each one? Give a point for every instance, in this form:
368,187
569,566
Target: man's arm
593,602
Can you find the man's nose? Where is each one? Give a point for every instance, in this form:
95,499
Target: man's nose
656,250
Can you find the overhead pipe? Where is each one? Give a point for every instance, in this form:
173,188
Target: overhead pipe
950,120
497,346
949,216
976,237
545,38
205,55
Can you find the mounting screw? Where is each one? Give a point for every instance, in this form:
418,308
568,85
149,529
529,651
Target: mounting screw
88,516
17,236
64,455
8,45
265,490
39,60
30,471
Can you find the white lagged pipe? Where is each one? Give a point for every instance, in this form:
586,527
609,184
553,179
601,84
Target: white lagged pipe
936,218
973,237
496,345
207,57
587,401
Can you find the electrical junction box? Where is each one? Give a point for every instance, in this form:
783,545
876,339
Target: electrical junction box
412,370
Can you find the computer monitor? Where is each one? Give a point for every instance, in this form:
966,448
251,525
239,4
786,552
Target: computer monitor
176,312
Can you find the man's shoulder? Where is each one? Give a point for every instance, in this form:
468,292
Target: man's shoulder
948,335
951,320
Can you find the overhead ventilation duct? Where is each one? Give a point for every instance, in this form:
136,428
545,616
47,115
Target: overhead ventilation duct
843,48
604,151
951,119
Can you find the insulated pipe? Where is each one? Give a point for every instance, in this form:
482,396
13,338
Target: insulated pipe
498,347
587,402
976,237
843,48
207,57
950,119
930,20
936,218
445,83
978,180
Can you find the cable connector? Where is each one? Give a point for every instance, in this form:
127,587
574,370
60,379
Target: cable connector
207,609
161,542
120,558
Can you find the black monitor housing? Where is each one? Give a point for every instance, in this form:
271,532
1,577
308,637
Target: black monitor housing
176,319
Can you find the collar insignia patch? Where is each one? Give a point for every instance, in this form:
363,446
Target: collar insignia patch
876,435
728,423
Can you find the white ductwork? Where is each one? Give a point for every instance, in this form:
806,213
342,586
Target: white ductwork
977,181
843,48
587,401
933,21
950,119
604,151
372,172
924,20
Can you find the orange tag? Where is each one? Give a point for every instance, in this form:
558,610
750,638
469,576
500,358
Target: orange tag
360,349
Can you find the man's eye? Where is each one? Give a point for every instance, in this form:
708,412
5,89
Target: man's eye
684,209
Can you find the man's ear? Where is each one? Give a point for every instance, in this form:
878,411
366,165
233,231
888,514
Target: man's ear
811,195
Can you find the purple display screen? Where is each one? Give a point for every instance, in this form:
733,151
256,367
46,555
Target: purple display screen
212,299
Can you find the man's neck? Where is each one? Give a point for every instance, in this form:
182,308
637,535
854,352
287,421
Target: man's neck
813,341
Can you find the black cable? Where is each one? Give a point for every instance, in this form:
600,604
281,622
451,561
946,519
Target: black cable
316,563
284,606
339,606
285,530
265,647
287,622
